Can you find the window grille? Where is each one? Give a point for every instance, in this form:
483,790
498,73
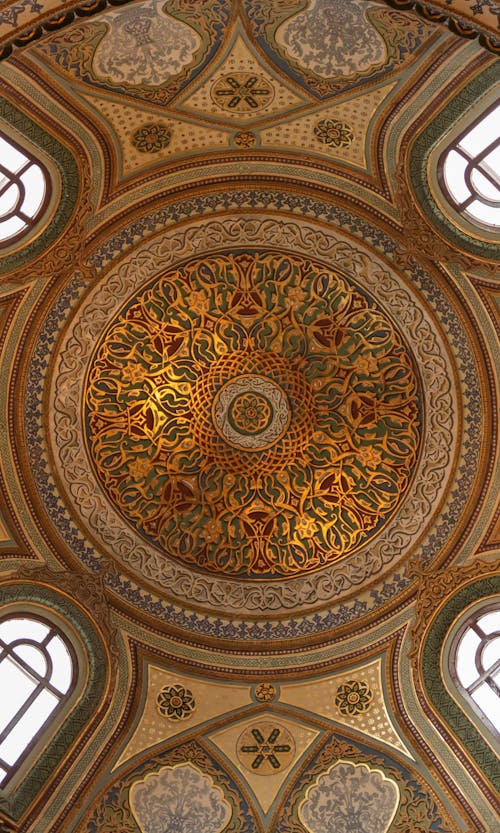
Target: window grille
475,664
37,674
24,190
469,170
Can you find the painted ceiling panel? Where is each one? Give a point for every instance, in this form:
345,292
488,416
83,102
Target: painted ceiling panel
249,374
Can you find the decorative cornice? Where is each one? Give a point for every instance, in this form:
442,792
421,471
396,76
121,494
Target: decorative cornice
47,22
455,23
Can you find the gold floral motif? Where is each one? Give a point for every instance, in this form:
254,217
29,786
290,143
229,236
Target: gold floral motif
176,702
353,697
247,436
335,134
245,139
151,138
265,692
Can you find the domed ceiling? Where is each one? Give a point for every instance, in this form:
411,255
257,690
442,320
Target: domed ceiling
249,384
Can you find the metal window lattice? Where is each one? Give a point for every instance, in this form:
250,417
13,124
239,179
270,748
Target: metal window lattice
36,653
24,190
469,170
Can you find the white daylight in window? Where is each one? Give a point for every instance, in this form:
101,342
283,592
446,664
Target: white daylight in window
477,664
471,170
23,188
36,673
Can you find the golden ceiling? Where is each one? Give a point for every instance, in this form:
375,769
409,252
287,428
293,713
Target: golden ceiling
249,392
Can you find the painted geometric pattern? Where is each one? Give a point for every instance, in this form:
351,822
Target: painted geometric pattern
254,414
342,789
148,50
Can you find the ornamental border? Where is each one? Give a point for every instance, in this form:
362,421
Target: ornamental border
199,623
225,594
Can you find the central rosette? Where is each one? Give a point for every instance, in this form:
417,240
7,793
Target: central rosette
251,401
251,412
254,414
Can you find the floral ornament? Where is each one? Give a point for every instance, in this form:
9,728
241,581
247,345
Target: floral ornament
230,392
245,139
151,138
178,799
176,702
265,692
350,796
251,412
335,134
306,527
353,697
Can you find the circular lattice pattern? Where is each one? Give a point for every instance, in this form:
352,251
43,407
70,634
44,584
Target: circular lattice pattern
265,406
265,748
253,414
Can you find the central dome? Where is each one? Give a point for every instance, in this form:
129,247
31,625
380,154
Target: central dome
253,413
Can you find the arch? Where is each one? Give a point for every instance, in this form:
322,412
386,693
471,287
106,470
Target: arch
38,671
473,649
427,174
80,685
44,156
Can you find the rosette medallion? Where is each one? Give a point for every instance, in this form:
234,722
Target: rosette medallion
253,413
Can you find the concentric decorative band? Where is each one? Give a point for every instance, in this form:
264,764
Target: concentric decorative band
253,431
169,575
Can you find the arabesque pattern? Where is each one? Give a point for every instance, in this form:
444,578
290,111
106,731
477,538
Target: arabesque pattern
254,414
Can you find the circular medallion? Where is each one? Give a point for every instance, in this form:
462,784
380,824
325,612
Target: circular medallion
242,92
251,412
254,414
266,748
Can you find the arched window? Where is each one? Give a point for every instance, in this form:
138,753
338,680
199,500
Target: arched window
469,170
38,670
24,190
475,663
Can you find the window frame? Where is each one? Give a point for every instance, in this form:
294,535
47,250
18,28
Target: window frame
453,145
32,223
458,630
423,143
463,705
57,715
